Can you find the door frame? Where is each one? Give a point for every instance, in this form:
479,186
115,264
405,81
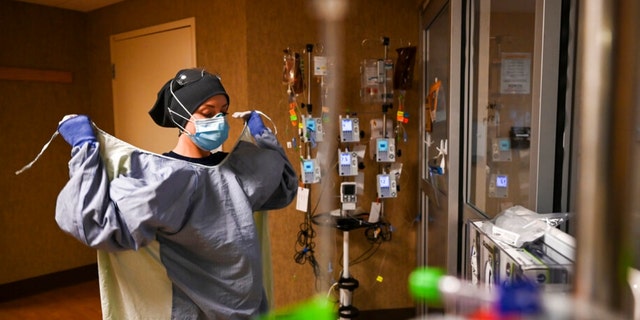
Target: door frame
430,11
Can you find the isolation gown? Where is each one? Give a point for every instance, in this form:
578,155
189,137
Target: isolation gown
175,240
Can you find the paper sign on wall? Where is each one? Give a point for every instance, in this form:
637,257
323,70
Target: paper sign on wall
515,75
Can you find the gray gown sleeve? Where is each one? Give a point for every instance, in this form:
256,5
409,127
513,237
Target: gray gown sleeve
123,213
266,173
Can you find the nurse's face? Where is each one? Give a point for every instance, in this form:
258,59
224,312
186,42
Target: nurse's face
208,109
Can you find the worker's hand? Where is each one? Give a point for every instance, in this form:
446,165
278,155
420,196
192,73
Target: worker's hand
77,130
256,126
254,121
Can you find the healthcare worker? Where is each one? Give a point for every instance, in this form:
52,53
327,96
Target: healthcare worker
197,205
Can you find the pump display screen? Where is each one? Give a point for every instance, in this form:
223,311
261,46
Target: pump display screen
501,181
383,145
308,166
384,181
311,124
347,125
345,159
348,189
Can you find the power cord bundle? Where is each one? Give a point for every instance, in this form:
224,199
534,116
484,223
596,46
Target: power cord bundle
378,232
304,247
375,233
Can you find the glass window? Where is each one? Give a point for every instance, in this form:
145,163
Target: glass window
502,101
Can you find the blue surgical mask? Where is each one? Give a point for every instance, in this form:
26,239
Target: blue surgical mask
210,132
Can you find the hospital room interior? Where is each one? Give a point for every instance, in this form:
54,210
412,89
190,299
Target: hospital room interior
455,159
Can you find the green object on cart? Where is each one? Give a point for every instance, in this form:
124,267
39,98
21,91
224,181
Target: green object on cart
423,285
318,308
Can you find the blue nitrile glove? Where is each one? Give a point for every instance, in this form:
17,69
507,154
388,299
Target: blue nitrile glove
77,130
256,126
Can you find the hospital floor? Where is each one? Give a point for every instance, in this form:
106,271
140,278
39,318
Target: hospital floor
75,295
80,301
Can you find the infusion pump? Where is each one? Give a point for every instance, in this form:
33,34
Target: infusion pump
348,163
312,129
386,185
349,129
310,171
385,150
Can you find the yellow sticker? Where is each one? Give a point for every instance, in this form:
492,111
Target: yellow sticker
379,278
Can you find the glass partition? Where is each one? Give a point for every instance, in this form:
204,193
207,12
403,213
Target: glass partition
511,125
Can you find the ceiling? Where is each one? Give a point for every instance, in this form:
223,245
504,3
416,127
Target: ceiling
76,5
89,5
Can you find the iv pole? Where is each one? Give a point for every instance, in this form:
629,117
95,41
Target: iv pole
347,284
309,106
385,104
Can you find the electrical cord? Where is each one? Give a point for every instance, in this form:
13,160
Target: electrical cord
378,232
367,254
375,232
304,246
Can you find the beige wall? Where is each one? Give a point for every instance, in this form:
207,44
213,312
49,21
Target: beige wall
243,41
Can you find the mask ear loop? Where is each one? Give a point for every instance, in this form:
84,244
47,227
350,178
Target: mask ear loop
171,112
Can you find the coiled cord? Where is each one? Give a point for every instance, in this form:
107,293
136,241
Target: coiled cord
304,246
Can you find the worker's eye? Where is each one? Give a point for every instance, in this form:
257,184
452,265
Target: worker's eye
211,114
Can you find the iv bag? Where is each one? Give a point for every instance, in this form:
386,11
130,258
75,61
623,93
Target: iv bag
403,76
376,81
292,72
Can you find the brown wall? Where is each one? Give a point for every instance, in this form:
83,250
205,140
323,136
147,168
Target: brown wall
35,37
243,41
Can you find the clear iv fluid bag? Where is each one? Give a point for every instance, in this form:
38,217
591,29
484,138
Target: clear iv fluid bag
376,81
